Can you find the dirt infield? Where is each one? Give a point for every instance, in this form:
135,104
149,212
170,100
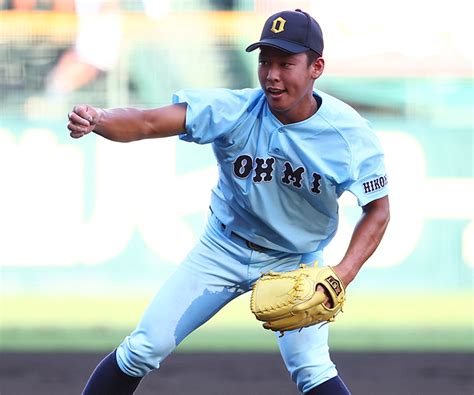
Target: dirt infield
249,374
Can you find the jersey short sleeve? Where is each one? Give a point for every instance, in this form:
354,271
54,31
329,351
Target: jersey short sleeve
368,174
212,113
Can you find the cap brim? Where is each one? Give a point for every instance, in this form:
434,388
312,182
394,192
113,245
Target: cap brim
280,44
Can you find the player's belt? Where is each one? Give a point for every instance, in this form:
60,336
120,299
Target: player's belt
249,243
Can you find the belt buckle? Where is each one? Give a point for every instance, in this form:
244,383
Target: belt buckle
253,246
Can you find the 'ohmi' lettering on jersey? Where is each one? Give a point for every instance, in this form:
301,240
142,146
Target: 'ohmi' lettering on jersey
243,166
375,184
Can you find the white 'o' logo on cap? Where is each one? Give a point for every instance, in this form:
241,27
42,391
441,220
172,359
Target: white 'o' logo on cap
278,25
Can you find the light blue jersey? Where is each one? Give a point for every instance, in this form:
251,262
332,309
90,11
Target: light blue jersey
278,184
278,188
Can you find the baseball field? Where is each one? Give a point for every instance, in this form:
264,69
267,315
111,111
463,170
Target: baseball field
375,351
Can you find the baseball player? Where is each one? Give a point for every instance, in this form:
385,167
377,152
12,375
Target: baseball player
285,153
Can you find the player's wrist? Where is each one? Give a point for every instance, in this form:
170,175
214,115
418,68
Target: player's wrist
99,115
346,273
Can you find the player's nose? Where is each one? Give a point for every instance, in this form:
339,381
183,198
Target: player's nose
273,73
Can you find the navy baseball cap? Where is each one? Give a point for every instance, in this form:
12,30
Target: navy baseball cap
291,31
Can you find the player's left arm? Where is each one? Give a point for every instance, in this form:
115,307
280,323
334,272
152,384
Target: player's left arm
283,311
365,239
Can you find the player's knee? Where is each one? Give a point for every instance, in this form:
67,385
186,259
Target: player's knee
139,354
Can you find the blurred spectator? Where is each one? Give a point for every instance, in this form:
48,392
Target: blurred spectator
97,46
96,50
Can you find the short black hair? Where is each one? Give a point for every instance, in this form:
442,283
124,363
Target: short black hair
312,56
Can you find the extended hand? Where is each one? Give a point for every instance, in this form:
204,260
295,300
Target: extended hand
82,120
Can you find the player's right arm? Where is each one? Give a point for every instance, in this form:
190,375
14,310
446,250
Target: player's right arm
127,124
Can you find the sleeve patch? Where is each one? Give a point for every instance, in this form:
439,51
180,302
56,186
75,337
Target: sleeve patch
375,184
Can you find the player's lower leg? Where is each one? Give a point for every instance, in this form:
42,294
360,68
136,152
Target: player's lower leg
334,386
109,379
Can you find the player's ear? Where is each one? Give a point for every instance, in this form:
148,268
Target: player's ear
317,68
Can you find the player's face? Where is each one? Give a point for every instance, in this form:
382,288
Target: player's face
287,80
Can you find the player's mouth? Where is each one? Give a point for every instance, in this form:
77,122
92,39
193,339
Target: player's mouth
274,93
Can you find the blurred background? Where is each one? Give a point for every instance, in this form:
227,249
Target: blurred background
90,229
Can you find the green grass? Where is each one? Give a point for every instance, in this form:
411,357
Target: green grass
88,324
205,339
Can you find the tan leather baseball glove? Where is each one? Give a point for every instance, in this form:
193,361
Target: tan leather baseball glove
289,300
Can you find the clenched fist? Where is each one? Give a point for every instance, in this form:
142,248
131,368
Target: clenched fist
82,120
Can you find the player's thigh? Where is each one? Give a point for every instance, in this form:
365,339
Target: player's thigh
185,301
306,356
196,291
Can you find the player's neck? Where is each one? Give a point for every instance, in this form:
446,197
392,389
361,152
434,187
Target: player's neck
302,111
